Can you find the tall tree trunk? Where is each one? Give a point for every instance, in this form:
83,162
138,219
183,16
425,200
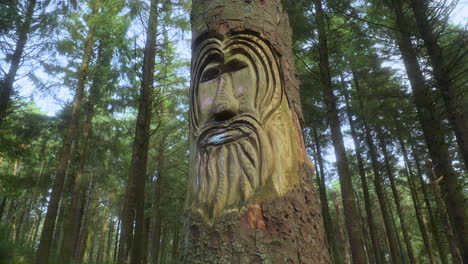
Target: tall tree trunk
341,229
378,182
229,40
6,85
456,109
433,133
156,229
42,255
416,202
396,196
376,248
137,178
356,237
443,251
330,228
83,232
456,256
102,240
3,205
72,224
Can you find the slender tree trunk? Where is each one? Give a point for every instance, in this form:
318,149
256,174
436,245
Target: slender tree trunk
356,237
102,240
2,206
433,133
6,85
417,204
443,251
376,248
72,224
83,233
116,246
42,255
341,230
156,229
330,228
396,196
378,181
456,256
135,196
456,109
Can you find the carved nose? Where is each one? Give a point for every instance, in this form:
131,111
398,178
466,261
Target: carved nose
225,105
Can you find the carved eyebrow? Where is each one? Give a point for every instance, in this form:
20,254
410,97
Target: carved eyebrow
234,65
210,74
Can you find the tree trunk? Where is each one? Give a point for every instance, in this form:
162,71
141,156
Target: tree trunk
6,85
456,109
83,233
42,255
433,133
416,203
330,229
443,253
378,181
376,248
72,224
396,196
456,256
135,196
240,213
341,229
356,237
102,240
156,229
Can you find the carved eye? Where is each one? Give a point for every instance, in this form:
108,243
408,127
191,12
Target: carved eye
210,74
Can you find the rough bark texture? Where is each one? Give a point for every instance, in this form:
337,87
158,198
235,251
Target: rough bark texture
268,227
287,229
433,133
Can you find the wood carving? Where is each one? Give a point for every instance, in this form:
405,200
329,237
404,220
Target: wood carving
243,140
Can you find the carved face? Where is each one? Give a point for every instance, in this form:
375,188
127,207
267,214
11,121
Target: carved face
236,91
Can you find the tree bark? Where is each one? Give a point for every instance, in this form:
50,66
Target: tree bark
457,109
286,227
6,85
355,234
42,255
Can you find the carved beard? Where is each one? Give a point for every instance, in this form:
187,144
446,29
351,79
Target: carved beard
229,168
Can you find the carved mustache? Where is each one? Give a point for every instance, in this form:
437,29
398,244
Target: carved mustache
218,133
